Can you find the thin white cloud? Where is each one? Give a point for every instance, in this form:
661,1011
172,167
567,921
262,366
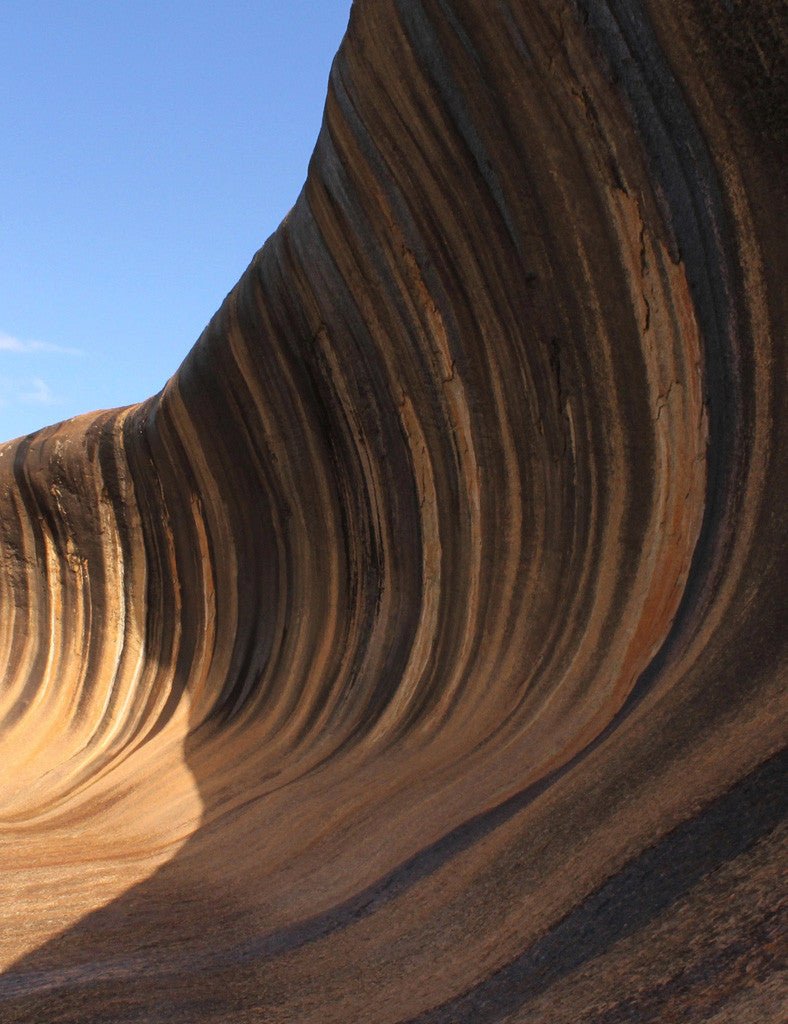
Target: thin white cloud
40,393
8,343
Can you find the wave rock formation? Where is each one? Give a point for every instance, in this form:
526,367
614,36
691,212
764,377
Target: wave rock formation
418,652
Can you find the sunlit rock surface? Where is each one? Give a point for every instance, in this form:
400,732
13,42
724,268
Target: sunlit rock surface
418,653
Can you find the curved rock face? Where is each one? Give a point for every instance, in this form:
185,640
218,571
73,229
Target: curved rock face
418,653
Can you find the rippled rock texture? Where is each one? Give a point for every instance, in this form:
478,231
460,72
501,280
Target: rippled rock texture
418,653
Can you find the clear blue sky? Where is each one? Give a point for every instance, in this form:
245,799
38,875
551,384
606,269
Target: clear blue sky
148,150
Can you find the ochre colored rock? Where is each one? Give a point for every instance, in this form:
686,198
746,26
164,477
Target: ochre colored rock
419,652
